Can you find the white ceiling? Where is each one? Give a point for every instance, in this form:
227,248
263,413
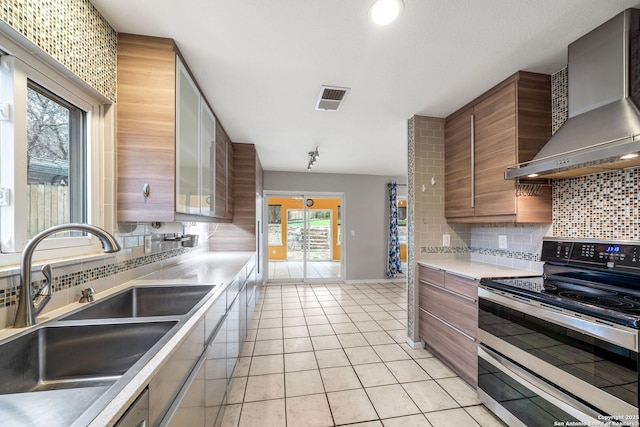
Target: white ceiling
261,64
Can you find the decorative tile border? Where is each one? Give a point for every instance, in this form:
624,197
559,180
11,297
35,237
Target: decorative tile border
73,33
444,249
11,295
522,256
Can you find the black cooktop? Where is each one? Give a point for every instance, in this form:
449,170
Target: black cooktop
597,300
599,278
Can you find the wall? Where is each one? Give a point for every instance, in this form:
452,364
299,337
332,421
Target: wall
71,32
364,213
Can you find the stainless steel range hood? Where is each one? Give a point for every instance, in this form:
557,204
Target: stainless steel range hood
603,128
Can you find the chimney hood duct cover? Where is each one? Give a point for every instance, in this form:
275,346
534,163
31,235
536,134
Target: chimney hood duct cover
604,120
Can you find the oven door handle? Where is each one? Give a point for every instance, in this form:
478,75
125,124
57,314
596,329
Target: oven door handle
571,406
618,335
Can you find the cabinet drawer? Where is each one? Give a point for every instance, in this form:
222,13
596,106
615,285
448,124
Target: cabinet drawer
431,275
460,312
455,349
461,285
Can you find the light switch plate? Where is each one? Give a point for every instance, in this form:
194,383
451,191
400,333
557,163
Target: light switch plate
446,240
502,241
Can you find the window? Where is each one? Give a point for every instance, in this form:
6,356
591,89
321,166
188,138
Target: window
56,160
275,225
57,149
402,222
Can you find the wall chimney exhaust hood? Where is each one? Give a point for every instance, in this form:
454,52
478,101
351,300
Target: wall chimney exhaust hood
602,132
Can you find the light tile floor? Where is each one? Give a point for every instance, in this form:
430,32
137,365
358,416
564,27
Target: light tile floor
336,354
284,270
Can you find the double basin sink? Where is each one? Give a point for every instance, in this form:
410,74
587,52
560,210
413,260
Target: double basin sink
91,348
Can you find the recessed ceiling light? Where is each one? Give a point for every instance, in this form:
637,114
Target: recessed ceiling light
629,156
532,175
384,12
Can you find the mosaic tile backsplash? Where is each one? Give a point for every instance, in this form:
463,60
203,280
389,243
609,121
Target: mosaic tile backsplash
559,98
9,296
604,206
73,33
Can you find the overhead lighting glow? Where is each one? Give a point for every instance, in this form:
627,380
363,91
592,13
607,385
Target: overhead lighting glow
384,12
532,175
629,156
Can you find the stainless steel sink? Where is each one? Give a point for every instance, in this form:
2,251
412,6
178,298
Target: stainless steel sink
144,301
66,357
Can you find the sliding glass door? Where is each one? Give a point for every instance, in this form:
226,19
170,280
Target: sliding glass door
304,237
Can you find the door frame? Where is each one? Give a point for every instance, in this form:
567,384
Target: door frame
306,195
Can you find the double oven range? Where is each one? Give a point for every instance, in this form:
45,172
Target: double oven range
562,349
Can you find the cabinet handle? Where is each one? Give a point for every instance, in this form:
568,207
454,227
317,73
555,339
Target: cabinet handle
146,190
473,161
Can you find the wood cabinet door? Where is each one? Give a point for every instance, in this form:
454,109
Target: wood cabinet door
495,150
145,129
458,157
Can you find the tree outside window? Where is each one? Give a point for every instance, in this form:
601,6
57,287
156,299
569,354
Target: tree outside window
275,224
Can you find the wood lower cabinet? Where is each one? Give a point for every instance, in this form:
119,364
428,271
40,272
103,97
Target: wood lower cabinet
448,320
506,125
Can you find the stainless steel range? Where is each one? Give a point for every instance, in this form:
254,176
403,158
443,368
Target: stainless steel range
562,349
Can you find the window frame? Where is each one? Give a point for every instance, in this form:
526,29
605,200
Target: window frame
17,67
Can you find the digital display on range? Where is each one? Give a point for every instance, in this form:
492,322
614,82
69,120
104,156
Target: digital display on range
592,253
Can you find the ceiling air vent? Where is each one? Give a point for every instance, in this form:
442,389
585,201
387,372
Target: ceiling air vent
331,97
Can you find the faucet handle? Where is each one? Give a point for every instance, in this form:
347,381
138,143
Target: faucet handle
87,295
48,274
45,292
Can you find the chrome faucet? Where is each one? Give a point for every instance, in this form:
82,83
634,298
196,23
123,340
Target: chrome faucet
29,308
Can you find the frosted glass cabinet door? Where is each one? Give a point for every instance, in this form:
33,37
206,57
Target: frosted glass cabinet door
187,143
207,160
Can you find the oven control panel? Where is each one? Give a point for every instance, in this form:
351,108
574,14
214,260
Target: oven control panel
604,254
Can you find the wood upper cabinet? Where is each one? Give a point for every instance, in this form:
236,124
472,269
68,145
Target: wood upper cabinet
166,138
507,125
458,166
145,128
223,175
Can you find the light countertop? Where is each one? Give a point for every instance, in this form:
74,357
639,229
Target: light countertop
477,270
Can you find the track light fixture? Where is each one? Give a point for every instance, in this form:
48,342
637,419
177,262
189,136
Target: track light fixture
313,156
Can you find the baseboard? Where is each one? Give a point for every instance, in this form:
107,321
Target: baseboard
415,345
387,280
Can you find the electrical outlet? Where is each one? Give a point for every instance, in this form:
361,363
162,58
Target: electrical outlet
446,240
502,241
147,244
